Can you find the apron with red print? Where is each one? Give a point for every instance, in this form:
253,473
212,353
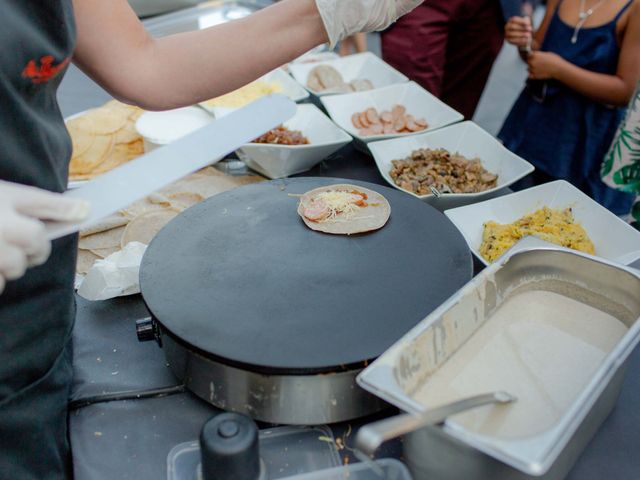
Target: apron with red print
37,310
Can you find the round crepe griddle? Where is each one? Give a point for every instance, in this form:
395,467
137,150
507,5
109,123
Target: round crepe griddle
240,278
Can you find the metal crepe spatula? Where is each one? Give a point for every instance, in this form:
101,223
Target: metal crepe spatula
138,178
371,436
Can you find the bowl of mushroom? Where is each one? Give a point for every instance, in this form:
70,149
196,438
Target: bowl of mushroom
461,162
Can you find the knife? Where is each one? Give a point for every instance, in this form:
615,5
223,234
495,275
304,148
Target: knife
136,179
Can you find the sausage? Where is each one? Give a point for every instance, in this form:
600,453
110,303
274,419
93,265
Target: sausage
355,120
372,116
386,117
364,120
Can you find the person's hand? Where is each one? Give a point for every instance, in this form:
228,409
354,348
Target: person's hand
23,241
543,65
342,18
519,32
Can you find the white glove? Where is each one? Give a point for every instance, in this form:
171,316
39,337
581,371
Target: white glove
23,241
342,18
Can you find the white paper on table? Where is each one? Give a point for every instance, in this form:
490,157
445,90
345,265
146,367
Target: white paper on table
115,276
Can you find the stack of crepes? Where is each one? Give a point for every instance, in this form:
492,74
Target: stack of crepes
142,220
103,138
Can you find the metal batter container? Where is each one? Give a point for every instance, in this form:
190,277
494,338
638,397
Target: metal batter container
444,452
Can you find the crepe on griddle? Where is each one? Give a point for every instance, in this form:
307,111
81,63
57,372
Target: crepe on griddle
371,213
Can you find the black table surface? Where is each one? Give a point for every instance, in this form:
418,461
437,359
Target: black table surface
141,415
128,410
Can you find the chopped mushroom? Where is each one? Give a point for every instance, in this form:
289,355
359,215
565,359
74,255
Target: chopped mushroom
441,169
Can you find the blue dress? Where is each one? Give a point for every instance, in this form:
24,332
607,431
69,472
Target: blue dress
561,132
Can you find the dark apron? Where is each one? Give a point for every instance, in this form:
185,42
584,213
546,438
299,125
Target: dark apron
36,311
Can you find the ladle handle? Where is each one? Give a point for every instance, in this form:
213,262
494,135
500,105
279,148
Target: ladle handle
371,436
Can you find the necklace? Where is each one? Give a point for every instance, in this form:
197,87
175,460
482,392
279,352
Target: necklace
583,16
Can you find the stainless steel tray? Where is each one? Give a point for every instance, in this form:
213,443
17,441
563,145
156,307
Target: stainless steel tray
204,15
450,452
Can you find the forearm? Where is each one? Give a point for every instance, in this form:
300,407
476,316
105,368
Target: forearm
608,89
183,69
361,42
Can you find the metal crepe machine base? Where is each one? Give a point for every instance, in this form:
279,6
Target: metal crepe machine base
281,399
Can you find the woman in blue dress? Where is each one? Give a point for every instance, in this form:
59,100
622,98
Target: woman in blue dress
584,62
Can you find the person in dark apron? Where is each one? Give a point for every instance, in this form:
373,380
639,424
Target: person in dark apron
37,310
39,39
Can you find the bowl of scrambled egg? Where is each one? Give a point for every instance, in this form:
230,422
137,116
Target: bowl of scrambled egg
555,212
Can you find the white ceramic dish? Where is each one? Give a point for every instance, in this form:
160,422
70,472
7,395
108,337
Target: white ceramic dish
71,184
361,66
277,161
465,138
313,56
418,102
291,88
612,237
161,128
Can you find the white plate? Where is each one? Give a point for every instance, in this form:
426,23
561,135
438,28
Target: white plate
277,161
418,102
465,138
155,128
361,66
161,128
612,238
75,183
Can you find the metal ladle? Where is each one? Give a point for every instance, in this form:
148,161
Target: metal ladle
371,436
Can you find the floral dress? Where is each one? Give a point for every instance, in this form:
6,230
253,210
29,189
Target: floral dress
621,167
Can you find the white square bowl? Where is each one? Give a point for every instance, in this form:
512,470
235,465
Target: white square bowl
465,138
419,103
613,238
277,161
290,87
313,56
361,66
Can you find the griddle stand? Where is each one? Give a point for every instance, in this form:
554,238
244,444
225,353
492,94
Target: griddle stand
280,399
274,398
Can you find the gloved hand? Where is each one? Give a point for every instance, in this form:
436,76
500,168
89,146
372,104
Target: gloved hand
23,241
342,18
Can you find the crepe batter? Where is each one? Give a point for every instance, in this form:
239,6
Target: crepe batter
541,347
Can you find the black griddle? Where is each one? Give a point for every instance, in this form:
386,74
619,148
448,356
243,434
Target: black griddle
240,278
